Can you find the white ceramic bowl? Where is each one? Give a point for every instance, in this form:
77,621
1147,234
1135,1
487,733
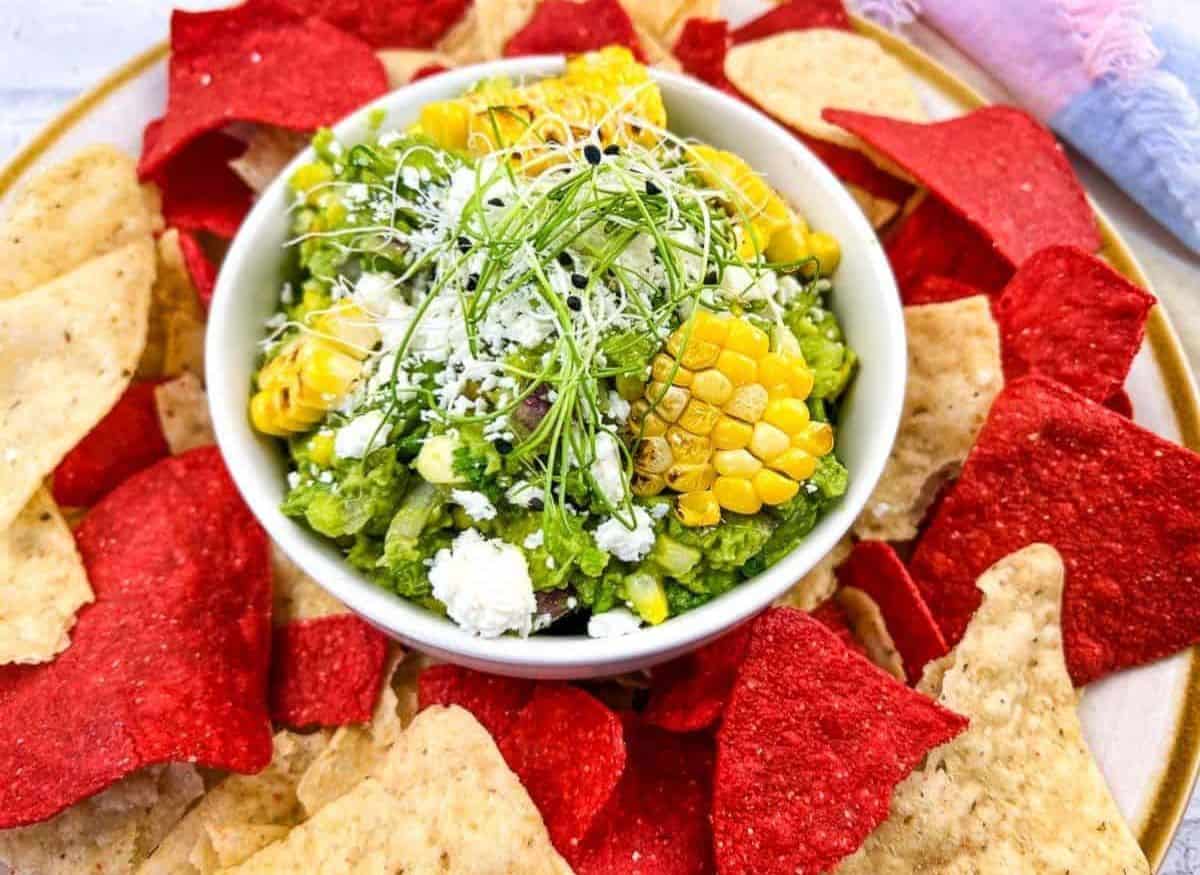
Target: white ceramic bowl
865,300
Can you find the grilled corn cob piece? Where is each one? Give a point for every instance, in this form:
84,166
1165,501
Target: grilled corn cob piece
606,88
724,422
313,372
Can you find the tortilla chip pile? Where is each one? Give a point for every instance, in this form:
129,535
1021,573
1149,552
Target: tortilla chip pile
909,706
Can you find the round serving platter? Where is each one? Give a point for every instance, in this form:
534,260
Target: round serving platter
1143,725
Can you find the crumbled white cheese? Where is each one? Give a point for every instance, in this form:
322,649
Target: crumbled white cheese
613,623
373,292
534,540
741,285
360,435
411,177
608,470
618,408
628,545
476,504
660,510
485,585
522,494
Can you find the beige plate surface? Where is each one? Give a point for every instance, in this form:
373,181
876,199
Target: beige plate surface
1143,725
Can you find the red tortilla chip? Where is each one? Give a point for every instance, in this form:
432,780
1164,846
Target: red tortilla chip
701,49
200,268
997,167
933,241
394,24
566,27
874,568
1120,402
854,168
495,701
814,739
169,664
689,693
326,671
1119,504
427,71
794,15
128,439
656,822
568,749
939,289
833,617
1069,316
259,63
200,191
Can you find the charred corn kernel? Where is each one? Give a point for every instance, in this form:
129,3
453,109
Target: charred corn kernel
699,416
731,434
647,485
801,380
711,327
749,340
796,463
736,463
712,386
774,369
747,403
648,597
689,478
320,448
767,441
664,369
698,509
736,494
688,448
789,243
817,439
788,414
692,352
826,250
739,368
667,401
773,488
653,455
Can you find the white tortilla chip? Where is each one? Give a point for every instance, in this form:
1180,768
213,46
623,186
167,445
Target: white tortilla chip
1018,792
403,64
69,349
446,803
183,413
954,373
265,799
879,211
42,583
820,583
797,74
498,21
235,843
871,631
664,19
90,205
108,834
461,43
269,150
296,595
176,313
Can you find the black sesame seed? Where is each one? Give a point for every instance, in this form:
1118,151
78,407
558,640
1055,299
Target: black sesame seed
592,154
565,259
574,303
503,447
612,149
652,189
579,281
710,278
495,202
536,503
464,244
472,282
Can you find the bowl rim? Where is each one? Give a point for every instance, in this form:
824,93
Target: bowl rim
539,655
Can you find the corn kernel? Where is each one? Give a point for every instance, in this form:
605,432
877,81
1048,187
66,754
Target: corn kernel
665,369
647,485
736,463
788,414
698,509
816,440
801,380
789,243
740,369
796,463
667,401
262,415
688,448
731,434
768,441
689,478
712,386
648,596
699,417
653,455
773,369
747,403
778,391
749,340
773,488
736,494
826,250
320,448
328,371
711,327
697,354
652,425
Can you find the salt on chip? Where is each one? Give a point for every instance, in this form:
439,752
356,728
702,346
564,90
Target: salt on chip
445,802
954,373
1018,791
69,350
796,75
270,149
403,65
183,414
90,205
42,583
110,833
